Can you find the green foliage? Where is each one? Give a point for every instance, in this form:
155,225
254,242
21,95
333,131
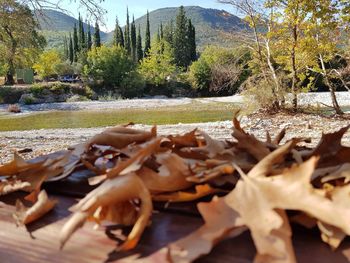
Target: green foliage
47,64
127,42
147,36
18,33
139,46
10,95
64,68
159,65
133,41
118,34
132,85
219,70
97,36
181,43
109,65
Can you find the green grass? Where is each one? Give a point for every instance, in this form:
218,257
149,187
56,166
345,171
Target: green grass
192,113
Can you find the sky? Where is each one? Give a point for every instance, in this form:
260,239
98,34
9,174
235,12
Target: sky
138,8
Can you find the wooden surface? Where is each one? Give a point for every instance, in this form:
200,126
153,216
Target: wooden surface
39,242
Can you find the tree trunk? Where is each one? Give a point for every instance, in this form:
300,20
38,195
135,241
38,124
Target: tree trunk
294,71
331,88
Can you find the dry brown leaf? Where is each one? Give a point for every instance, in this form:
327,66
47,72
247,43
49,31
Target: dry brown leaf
200,191
112,192
121,137
26,216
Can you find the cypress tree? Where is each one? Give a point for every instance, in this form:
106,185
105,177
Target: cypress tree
161,31
118,34
139,45
181,45
191,35
75,43
89,38
169,33
127,43
147,37
81,34
97,37
71,49
133,39
65,48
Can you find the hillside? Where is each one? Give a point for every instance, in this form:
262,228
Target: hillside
213,26
55,25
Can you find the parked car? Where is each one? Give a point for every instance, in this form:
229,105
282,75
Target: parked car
70,78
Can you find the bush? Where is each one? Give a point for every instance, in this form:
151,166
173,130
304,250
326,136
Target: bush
219,71
132,86
47,64
109,65
258,93
10,95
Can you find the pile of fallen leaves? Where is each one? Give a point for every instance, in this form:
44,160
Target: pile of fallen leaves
256,184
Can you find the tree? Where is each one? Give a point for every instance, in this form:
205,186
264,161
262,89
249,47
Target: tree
71,49
147,36
75,43
133,40
291,16
181,43
111,65
161,33
81,34
158,66
191,35
65,48
127,43
18,32
97,37
322,33
118,34
89,38
139,45
47,63
168,33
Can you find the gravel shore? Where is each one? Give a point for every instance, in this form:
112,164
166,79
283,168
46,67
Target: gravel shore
298,125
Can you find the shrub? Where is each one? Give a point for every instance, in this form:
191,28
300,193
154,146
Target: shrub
47,64
10,95
219,71
133,85
109,65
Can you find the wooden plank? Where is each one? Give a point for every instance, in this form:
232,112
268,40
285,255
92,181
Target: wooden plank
39,242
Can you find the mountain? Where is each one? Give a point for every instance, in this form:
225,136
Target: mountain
55,25
213,26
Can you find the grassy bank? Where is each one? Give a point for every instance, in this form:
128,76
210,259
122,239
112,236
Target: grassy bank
191,113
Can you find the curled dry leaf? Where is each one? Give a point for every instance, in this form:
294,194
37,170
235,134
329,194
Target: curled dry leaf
111,194
26,216
200,191
120,137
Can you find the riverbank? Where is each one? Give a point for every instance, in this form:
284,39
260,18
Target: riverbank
298,125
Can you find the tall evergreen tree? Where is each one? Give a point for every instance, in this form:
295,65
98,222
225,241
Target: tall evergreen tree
71,49
133,40
161,31
147,36
97,37
181,45
75,43
191,36
89,38
118,34
81,34
65,48
127,43
139,45
169,33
